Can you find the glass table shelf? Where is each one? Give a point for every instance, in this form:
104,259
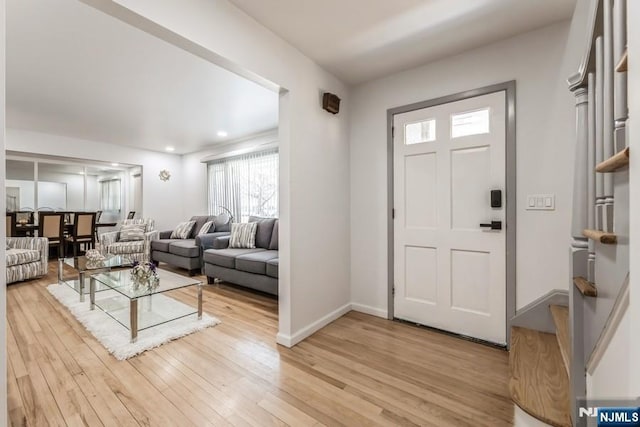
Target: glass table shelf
84,268
153,310
138,307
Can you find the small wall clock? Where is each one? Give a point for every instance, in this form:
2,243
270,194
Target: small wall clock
164,175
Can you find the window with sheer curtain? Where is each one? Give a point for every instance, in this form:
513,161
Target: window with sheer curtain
110,195
246,185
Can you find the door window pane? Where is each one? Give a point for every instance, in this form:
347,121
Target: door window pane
416,133
470,123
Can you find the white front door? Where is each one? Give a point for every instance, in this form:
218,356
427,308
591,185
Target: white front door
449,272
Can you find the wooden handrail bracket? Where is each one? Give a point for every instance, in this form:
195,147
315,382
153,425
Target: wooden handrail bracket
601,236
614,163
621,67
586,288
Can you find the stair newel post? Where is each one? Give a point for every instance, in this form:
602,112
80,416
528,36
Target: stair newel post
582,173
620,108
599,92
579,244
591,168
609,149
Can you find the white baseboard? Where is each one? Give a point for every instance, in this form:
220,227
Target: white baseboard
284,340
367,309
291,340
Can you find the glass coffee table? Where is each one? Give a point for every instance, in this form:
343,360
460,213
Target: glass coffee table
85,267
155,308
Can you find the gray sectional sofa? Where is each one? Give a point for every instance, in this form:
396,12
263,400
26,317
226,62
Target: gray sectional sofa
253,268
187,253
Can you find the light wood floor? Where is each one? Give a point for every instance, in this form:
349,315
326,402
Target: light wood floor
360,370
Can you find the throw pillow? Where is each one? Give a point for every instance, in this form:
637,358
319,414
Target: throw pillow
222,222
207,227
273,245
183,230
200,221
243,235
263,231
131,232
148,223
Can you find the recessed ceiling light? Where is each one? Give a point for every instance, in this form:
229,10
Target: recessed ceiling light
222,133
81,173
115,164
170,149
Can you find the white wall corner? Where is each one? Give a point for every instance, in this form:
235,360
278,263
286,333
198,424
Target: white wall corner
307,331
367,309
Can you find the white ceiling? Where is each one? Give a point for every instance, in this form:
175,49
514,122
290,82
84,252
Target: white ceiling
359,40
74,71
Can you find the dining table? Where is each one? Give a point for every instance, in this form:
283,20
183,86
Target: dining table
32,228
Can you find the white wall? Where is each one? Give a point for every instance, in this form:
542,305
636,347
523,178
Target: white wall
52,195
27,193
545,148
195,172
314,149
93,194
610,379
633,43
4,415
160,198
74,189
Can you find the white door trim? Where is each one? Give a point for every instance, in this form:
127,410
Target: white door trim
510,191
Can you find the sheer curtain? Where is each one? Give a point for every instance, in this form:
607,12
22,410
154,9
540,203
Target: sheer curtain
110,195
246,185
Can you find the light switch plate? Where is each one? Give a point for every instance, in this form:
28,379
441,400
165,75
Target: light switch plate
541,202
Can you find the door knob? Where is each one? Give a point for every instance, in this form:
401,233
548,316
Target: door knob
495,225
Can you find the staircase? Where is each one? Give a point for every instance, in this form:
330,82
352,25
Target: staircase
549,370
539,370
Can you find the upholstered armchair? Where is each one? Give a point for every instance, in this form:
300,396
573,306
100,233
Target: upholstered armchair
27,258
121,242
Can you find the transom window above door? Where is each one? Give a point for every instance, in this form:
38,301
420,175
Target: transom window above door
419,132
470,123
461,124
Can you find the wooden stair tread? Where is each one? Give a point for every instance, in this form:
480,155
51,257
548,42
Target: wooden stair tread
621,67
560,316
587,288
601,236
614,163
538,380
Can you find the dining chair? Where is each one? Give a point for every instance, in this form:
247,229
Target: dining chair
25,217
11,224
98,215
51,226
83,232
131,214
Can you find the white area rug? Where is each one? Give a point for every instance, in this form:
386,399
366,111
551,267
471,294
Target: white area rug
114,336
